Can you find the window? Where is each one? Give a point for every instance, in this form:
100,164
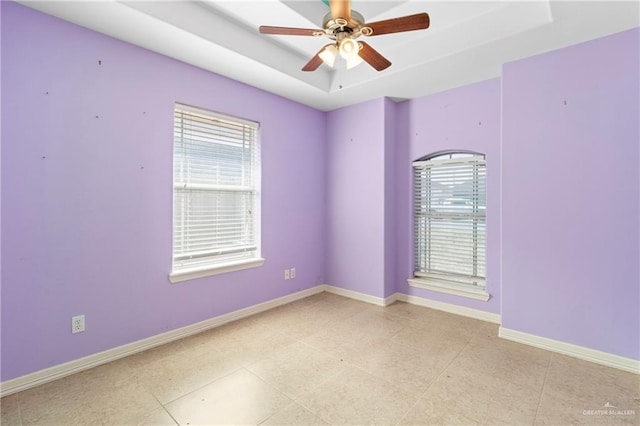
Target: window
450,226
216,187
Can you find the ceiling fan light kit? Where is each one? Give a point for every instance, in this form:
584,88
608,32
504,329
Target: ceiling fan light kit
344,25
353,61
329,54
348,48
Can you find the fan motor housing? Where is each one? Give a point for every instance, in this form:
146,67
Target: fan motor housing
340,28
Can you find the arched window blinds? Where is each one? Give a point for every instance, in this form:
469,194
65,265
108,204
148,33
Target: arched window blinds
449,218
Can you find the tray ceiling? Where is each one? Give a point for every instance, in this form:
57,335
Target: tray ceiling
467,41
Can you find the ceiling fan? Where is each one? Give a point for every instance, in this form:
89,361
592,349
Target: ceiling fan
343,26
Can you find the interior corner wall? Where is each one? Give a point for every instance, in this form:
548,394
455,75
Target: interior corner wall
355,234
390,185
571,194
465,118
87,145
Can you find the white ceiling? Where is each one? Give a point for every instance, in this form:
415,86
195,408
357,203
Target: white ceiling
467,41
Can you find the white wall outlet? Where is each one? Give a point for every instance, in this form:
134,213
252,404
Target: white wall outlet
292,273
77,324
286,274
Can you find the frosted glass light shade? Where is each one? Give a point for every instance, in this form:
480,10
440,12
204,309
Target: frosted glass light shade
329,54
349,48
353,61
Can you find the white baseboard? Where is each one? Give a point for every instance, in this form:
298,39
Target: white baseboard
59,371
62,370
360,296
415,300
598,357
448,307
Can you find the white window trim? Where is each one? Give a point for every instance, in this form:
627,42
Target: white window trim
191,274
459,289
185,274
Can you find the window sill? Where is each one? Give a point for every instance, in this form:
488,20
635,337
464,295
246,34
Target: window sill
464,290
191,274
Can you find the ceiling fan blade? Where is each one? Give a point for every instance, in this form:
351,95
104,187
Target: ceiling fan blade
265,29
418,21
340,9
316,61
373,58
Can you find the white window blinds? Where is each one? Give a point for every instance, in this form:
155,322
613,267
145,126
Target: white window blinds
216,181
450,227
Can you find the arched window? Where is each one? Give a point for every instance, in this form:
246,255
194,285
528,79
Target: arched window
449,218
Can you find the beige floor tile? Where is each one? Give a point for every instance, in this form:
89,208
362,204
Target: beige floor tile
157,417
410,368
438,338
413,312
294,414
168,375
296,369
307,301
10,410
355,333
486,330
465,398
373,325
560,411
331,298
185,366
103,395
433,317
463,326
511,361
589,382
250,351
355,397
333,341
338,307
590,393
239,398
429,317
301,321
238,333
435,411
295,322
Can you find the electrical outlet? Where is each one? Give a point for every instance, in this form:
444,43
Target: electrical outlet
286,274
77,324
292,273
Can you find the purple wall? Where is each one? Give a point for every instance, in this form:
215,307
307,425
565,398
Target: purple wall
87,190
571,195
467,118
355,257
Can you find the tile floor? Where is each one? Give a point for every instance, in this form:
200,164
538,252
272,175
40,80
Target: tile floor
331,360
